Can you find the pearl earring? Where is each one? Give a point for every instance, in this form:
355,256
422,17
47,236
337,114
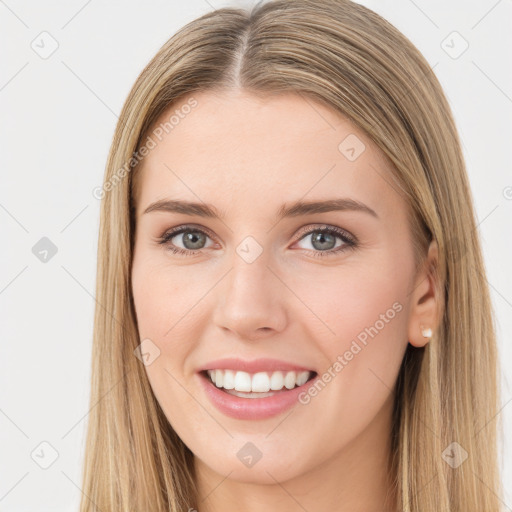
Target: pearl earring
426,333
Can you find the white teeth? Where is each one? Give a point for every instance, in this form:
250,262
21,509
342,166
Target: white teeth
289,380
302,378
276,381
242,381
261,382
229,379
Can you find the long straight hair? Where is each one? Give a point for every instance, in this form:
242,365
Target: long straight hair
350,59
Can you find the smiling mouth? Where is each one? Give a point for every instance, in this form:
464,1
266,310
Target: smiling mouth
257,385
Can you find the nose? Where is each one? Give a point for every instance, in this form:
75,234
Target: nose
251,300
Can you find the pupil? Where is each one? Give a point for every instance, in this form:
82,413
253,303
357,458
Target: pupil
194,238
321,238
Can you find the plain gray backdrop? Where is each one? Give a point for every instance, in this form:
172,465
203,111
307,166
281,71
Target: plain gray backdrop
66,70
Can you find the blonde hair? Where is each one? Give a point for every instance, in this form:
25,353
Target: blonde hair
352,60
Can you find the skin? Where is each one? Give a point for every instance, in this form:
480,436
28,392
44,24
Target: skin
248,156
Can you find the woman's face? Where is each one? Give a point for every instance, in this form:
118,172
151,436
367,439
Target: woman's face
265,280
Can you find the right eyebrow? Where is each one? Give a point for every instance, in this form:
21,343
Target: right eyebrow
184,207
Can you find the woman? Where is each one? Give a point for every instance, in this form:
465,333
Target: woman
292,305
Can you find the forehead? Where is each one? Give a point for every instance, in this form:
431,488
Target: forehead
236,149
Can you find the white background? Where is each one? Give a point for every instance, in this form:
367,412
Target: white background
57,120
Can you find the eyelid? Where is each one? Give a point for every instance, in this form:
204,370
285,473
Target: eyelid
188,227
307,230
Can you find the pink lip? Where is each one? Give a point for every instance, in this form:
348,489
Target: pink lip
257,365
252,408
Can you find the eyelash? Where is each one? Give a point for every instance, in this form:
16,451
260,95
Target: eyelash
350,242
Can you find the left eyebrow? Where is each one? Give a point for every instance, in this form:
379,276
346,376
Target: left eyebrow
329,205
296,209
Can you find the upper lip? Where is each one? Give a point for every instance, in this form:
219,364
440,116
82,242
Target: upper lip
253,366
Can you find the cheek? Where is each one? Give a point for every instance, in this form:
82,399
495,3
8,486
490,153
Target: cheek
366,311
170,311
359,301
161,319
370,310
162,297
169,324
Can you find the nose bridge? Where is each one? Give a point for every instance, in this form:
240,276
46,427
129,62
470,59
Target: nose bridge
249,282
250,273
249,279
251,297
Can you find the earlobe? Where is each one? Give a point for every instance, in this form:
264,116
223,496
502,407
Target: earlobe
424,302
422,338
426,332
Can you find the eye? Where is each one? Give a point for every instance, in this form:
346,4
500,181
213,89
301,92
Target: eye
191,237
324,240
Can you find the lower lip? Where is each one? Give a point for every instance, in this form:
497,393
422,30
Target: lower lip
252,408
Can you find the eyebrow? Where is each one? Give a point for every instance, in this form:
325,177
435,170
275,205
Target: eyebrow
296,209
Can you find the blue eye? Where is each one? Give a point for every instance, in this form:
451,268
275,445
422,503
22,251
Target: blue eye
192,236
324,241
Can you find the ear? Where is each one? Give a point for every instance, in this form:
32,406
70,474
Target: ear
423,319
